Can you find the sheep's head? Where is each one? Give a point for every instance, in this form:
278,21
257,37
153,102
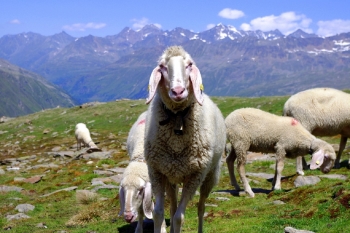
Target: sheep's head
132,197
323,158
177,73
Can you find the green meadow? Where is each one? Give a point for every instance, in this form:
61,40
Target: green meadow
324,207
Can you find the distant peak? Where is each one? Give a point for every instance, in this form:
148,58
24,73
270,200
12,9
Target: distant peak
151,26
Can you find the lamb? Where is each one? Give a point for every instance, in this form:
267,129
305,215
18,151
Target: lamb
135,192
323,112
250,129
185,137
82,135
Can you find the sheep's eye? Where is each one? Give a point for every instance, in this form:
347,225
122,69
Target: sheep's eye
140,191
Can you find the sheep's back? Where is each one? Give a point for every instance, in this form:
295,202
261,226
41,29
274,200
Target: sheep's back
322,111
260,131
133,171
82,132
135,140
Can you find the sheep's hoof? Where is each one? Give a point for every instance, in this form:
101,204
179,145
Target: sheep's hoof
251,194
90,150
300,173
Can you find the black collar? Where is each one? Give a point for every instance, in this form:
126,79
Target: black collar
179,118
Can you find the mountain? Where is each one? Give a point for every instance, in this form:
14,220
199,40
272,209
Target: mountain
232,62
23,92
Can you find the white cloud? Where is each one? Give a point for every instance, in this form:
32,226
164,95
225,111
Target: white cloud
286,22
231,13
15,21
140,23
332,27
209,26
83,26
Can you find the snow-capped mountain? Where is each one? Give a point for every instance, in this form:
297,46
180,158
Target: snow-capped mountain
232,61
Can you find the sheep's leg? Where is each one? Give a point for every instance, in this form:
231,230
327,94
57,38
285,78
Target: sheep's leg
188,191
172,191
242,157
300,162
211,179
230,161
139,227
158,187
276,183
342,144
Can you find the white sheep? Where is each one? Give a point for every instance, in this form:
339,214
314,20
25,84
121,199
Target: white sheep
250,129
323,112
82,135
135,191
185,137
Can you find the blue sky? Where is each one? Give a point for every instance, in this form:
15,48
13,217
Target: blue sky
108,17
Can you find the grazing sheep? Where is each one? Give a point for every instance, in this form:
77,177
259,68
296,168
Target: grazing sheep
185,137
250,129
135,192
82,134
323,112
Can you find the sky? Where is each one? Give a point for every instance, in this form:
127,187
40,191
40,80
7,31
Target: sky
101,18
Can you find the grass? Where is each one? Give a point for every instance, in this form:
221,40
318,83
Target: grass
324,207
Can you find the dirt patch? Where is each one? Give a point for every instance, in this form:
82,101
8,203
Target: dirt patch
345,201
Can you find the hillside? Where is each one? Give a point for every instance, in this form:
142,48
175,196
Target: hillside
40,166
232,62
23,92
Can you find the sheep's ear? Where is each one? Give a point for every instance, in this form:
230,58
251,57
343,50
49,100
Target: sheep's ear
148,204
153,83
196,79
317,159
121,200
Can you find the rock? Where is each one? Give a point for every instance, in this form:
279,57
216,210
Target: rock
33,180
65,189
24,208
117,178
18,179
4,188
293,230
222,198
24,158
118,170
55,154
56,148
97,182
261,175
16,216
278,202
109,186
46,131
306,180
98,155
334,176
41,225
2,172
103,172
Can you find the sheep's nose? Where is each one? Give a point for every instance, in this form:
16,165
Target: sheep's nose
177,91
128,217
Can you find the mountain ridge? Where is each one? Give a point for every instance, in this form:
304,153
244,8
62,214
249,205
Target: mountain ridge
232,62
23,92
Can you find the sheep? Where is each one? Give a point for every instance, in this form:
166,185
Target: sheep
250,129
135,191
82,135
323,112
185,137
